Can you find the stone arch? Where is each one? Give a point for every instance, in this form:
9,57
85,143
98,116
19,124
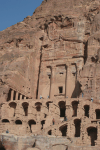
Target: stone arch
25,107
77,123
38,106
31,122
97,111
5,120
92,132
75,106
62,107
13,108
86,110
19,122
63,130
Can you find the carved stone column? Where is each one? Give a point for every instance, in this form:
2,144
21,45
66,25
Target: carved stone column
24,97
12,94
41,81
16,98
53,79
67,81
20,96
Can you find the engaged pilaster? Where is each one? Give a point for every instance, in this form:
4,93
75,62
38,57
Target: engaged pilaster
12,94
53,80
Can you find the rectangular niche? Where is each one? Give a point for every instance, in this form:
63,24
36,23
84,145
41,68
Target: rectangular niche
60,81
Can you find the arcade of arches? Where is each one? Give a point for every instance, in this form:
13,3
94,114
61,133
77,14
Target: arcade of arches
48,117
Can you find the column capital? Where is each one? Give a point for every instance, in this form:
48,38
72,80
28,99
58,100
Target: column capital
53,66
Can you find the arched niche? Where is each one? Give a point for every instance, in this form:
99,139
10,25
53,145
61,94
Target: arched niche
86,110
18,122
92,132
63,130
42,123
97,113
62,107
12,108
50,132
31,122
75,106
25,107
38,106
47,104
77,123
5,120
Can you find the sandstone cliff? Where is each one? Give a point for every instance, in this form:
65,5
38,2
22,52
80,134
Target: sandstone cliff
50,62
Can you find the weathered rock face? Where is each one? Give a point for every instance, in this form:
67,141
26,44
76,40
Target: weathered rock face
49,66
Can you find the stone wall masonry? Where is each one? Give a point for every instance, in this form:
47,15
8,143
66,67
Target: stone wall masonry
39,122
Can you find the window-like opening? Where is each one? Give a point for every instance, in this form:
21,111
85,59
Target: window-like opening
75,106
13,105
5,120
86,109
26,111
63,130
92,132
14,95
45,115
48,104
38,106
34,144
61,73
18,122
9,95
49,76
19,96
42,123
25,107
97,113
22,96
31,122
77,123
50,132
60,89
62,108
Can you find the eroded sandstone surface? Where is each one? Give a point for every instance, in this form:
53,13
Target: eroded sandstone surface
50,78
